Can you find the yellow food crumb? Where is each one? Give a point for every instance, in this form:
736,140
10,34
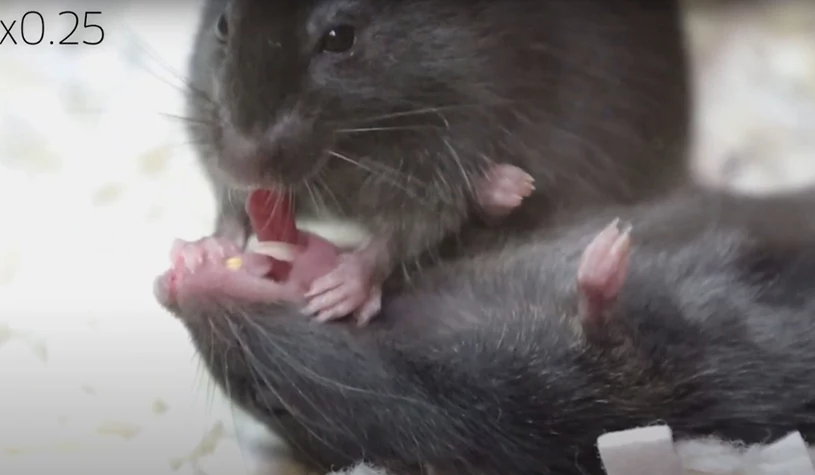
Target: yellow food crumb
234,263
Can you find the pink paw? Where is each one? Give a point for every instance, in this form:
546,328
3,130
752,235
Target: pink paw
348,288
200,270
602,271
503,189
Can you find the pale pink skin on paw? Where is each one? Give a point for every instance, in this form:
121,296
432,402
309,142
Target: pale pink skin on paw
502,189
349,288
602,271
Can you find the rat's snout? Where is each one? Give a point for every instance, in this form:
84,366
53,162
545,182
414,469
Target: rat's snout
285,153
290,149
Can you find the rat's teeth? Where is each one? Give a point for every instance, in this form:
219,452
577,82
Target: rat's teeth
176,249
192,258
281,251
215,252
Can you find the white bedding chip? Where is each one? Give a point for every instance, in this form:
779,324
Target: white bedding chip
641,451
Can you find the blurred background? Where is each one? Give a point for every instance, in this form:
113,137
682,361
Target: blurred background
95,377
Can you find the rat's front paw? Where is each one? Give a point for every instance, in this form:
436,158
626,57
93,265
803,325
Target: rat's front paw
348,288
503,189
212,269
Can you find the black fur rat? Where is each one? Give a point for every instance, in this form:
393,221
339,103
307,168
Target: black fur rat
701,315
388,113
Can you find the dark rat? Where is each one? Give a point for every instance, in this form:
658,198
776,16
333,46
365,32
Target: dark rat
700,315
389,113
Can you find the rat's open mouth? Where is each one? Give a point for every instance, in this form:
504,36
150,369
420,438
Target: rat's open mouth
272,216
280,268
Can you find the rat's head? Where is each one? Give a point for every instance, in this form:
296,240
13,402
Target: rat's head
390,97
348,87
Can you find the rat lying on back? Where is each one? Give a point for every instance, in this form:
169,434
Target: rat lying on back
391,113
703,317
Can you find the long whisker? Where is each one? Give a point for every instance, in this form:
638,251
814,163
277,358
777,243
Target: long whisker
319,181
377,174
254,373
385,129
457,160
186,87
311,193
429,110
182,118
290,196
273,213
214,333
351,161
258,370
374,167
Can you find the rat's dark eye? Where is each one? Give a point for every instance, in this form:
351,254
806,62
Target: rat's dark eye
222,28
338,39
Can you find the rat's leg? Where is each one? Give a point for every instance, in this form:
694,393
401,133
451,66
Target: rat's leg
502,189
602,270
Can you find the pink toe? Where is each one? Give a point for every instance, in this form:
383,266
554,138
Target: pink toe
192,257
176,249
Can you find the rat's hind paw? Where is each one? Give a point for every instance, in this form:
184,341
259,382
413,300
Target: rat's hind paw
602,271
347,289
212,269
503,189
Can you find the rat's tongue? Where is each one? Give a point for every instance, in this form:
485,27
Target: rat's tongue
272,216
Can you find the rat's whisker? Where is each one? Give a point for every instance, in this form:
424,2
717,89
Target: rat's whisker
312,196
185,87
259,369
186,119
430,111
372,167
350,160
458,162
320,182
385,129
274,200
